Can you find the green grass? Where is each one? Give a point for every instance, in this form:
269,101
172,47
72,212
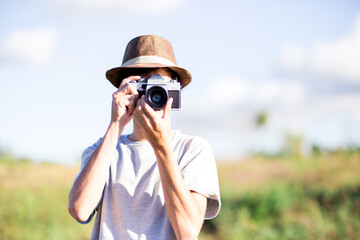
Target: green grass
33,200
263,198
314,198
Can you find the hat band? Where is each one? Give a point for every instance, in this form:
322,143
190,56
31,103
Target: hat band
148,59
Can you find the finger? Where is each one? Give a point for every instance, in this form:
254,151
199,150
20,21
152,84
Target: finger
147,110
130,90
132,103
141,103
147,114
124,82
124,100
167,109
128,79
141,117
121,102
126,90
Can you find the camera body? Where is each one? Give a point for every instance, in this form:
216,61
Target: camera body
157,91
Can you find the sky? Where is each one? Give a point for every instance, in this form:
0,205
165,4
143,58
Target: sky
296,61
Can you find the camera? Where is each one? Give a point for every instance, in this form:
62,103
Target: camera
157,91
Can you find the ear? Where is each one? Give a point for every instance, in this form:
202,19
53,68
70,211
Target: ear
167,109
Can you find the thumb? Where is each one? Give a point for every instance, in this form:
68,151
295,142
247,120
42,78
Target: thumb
167,109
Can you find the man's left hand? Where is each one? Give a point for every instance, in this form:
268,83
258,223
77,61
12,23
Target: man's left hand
156,125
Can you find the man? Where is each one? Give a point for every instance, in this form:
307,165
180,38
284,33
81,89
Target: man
154,183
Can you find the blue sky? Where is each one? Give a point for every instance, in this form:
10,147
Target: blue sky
298,61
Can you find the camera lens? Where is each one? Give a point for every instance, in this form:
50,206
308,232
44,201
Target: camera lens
156,97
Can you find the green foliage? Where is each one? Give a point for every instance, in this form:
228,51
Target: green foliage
33,200
284,212
321,200
262,199
261,119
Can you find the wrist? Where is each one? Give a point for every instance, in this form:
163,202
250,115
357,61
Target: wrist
162,149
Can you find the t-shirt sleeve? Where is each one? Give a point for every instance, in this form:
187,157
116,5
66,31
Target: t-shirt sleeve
84,159
88,153
200,174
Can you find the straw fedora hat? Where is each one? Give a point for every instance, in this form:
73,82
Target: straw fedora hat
148,51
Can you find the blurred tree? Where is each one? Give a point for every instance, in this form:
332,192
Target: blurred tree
261,119
315,150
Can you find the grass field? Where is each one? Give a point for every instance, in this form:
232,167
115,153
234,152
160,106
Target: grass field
33,200
262,198
286,198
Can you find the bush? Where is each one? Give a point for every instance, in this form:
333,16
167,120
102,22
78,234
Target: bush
320,201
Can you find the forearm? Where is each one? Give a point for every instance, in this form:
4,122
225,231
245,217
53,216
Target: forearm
184,209
88,187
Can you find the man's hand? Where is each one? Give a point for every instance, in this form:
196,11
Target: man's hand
155,125
124,102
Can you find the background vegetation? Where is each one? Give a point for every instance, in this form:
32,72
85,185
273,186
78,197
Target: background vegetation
265,197
289,198
33,201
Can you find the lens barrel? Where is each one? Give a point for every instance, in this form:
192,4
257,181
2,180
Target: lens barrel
156,97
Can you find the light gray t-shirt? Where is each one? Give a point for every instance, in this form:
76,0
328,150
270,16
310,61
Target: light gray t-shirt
133,204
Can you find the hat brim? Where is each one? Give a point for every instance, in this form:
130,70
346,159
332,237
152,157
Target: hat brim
113,74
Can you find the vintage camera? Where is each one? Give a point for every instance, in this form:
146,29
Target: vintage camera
157,91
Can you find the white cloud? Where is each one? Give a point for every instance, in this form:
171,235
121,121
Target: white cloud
228,91
343,104
292,58
34,46
284,93
232,92
339,58
333,120
133,7
228,107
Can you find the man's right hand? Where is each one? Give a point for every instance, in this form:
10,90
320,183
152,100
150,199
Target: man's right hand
124,102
